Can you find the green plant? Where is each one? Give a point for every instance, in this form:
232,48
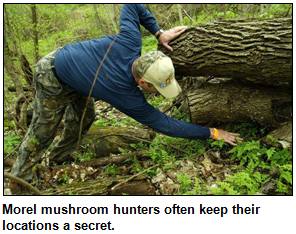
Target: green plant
280,157
157,151
167,167
158,101
8,124
136,164
196,190
224,189
123,151
185,182
10,142
86,155
181,116
149,43
284,182
256,157
139,146
241,183
217,144
112,169
249,131
64,178
277,10
246,152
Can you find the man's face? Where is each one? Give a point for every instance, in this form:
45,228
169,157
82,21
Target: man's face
148,88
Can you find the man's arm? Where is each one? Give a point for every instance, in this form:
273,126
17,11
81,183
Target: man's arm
132,15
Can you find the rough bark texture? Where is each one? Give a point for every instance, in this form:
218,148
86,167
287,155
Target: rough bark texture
25,65
142,187
235,102
283,135
103,141
102,186
93,187
256,51
35,32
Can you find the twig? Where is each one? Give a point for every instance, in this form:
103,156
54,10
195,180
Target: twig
133,177
288,12
8,155
90,92
188,16
170,107
22,182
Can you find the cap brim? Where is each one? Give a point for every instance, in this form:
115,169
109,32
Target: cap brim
171,90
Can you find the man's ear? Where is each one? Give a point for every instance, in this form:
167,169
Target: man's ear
141,82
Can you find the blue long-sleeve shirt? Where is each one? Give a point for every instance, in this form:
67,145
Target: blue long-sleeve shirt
76,65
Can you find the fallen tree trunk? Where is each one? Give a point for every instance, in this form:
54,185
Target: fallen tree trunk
102,187
235,102
255,52
283,135
103,141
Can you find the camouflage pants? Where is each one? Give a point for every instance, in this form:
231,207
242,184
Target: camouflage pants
53,101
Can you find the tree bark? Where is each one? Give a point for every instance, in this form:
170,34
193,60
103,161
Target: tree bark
283,135
25,66
101,187
255,51
103,141
179,7
35,32
9,55
237,102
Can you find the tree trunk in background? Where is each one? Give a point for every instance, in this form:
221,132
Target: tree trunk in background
245,9
111,17
13,73
35,32
236,102
179,7
10,55
255,51
26,68
97,18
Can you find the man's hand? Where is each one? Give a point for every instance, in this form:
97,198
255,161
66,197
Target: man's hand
229,137
171,34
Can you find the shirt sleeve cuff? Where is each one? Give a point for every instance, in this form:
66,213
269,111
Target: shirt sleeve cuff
154,28
209,133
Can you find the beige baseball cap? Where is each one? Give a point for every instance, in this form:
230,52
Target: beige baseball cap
157,69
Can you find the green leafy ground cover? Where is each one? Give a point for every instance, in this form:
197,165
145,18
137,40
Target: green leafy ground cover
248,168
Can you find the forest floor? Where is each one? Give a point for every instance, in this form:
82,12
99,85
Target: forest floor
164,165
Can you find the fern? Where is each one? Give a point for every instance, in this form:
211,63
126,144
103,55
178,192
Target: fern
185,182
224,189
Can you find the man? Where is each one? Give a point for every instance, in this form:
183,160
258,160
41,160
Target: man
64,78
